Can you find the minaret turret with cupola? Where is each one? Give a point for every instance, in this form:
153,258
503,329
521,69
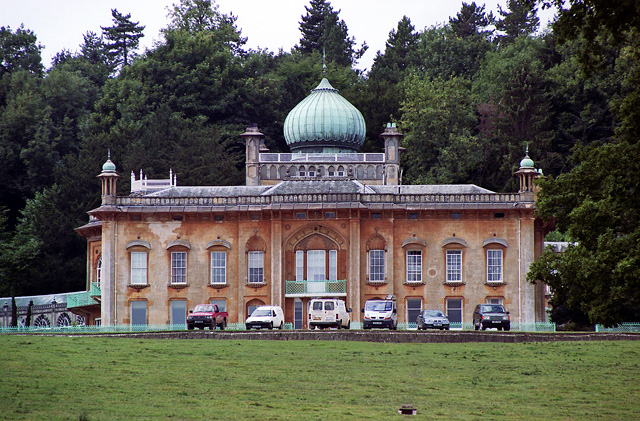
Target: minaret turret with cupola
109,178
527,173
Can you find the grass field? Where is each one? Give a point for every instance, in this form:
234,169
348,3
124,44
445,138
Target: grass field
89,378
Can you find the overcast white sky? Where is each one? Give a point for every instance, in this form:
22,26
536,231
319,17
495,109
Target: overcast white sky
270,24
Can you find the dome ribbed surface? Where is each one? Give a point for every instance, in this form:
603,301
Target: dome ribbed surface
527,162
109,166
324,119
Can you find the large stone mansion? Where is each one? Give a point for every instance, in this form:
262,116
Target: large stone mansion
321,221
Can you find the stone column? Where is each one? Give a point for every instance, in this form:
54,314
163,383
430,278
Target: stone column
526,254
108,282
276,263
354,279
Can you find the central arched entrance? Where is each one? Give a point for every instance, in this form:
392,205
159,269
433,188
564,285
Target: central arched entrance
315,266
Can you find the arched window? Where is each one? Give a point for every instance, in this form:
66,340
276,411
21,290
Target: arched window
301,171
255,249
376,257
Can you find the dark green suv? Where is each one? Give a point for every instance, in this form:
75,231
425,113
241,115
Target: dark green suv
491,316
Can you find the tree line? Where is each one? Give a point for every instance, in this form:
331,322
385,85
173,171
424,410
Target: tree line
469,95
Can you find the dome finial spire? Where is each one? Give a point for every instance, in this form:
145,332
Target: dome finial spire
324,63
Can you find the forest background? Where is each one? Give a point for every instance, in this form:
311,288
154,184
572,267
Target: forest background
469,96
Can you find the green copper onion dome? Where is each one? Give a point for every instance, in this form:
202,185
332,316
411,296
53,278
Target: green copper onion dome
109,166
526,161
324,122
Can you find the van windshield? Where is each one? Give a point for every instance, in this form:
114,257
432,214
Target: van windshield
378,306
261,313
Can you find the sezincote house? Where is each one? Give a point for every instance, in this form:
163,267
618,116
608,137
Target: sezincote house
321,221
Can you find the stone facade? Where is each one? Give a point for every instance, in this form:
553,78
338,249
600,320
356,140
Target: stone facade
305,225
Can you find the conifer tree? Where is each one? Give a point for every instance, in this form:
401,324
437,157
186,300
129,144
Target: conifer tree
520,18
323,31
124,37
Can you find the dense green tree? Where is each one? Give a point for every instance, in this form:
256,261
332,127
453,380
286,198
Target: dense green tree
444,54
597,203
513,88
19,51
123,38
520,18
323,31
472,21
380,94
438,122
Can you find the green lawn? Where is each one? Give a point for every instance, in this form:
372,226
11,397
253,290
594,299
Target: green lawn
89,378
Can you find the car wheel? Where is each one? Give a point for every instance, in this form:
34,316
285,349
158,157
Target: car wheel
348,325
223,324
446,328
483,327
189,327
339,324
507,328
271,326
281,325
476,326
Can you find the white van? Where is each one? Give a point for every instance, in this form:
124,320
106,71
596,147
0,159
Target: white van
265,317
328,312
380,313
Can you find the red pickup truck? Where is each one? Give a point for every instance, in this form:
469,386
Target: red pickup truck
207,315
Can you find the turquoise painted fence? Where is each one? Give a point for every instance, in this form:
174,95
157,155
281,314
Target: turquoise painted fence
621,328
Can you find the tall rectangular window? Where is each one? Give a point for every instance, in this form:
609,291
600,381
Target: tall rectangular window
454,311
454,265
494,266
414,266
178,312
376,265
299,265
178,267
316,265
414,306
138,268
218,267
256,267
333,265
138,312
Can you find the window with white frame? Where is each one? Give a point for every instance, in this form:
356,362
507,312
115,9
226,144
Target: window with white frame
333,265
316,265
494,266
414,266
299,265
99,271
138,268
218,267
178,267
376,265
454,265
256,267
